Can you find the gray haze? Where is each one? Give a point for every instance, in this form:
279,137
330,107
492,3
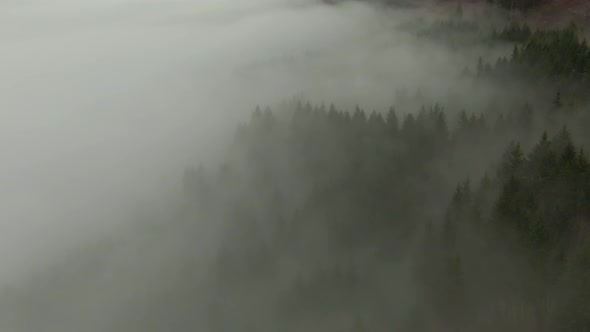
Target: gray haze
104,103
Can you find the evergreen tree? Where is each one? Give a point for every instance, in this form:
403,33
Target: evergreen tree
512,162
392,121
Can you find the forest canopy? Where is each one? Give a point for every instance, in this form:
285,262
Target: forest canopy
459,201
492,206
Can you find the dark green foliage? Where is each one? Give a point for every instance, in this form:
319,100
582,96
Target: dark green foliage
518,4
392,122
455,31
538,210
331,185
514,32
363,182
534,203
549,54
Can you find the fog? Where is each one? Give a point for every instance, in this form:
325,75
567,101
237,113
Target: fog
104,103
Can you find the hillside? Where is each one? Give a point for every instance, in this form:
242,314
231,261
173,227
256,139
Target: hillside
558,11
543,13
399,170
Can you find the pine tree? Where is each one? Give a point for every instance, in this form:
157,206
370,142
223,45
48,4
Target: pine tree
392,122
569,157
542,159
441,127
409,126
359,116
562,139
512,161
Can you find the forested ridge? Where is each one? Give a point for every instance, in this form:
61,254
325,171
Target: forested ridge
461,205
485,213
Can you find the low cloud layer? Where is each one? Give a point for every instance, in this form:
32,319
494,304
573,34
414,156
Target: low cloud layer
104,103
101,101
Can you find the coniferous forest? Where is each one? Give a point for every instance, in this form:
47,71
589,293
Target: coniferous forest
429,215
411,220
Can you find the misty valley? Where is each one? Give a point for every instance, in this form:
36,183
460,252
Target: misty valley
415,166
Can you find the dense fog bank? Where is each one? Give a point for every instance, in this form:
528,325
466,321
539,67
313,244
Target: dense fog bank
274,165
104,102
